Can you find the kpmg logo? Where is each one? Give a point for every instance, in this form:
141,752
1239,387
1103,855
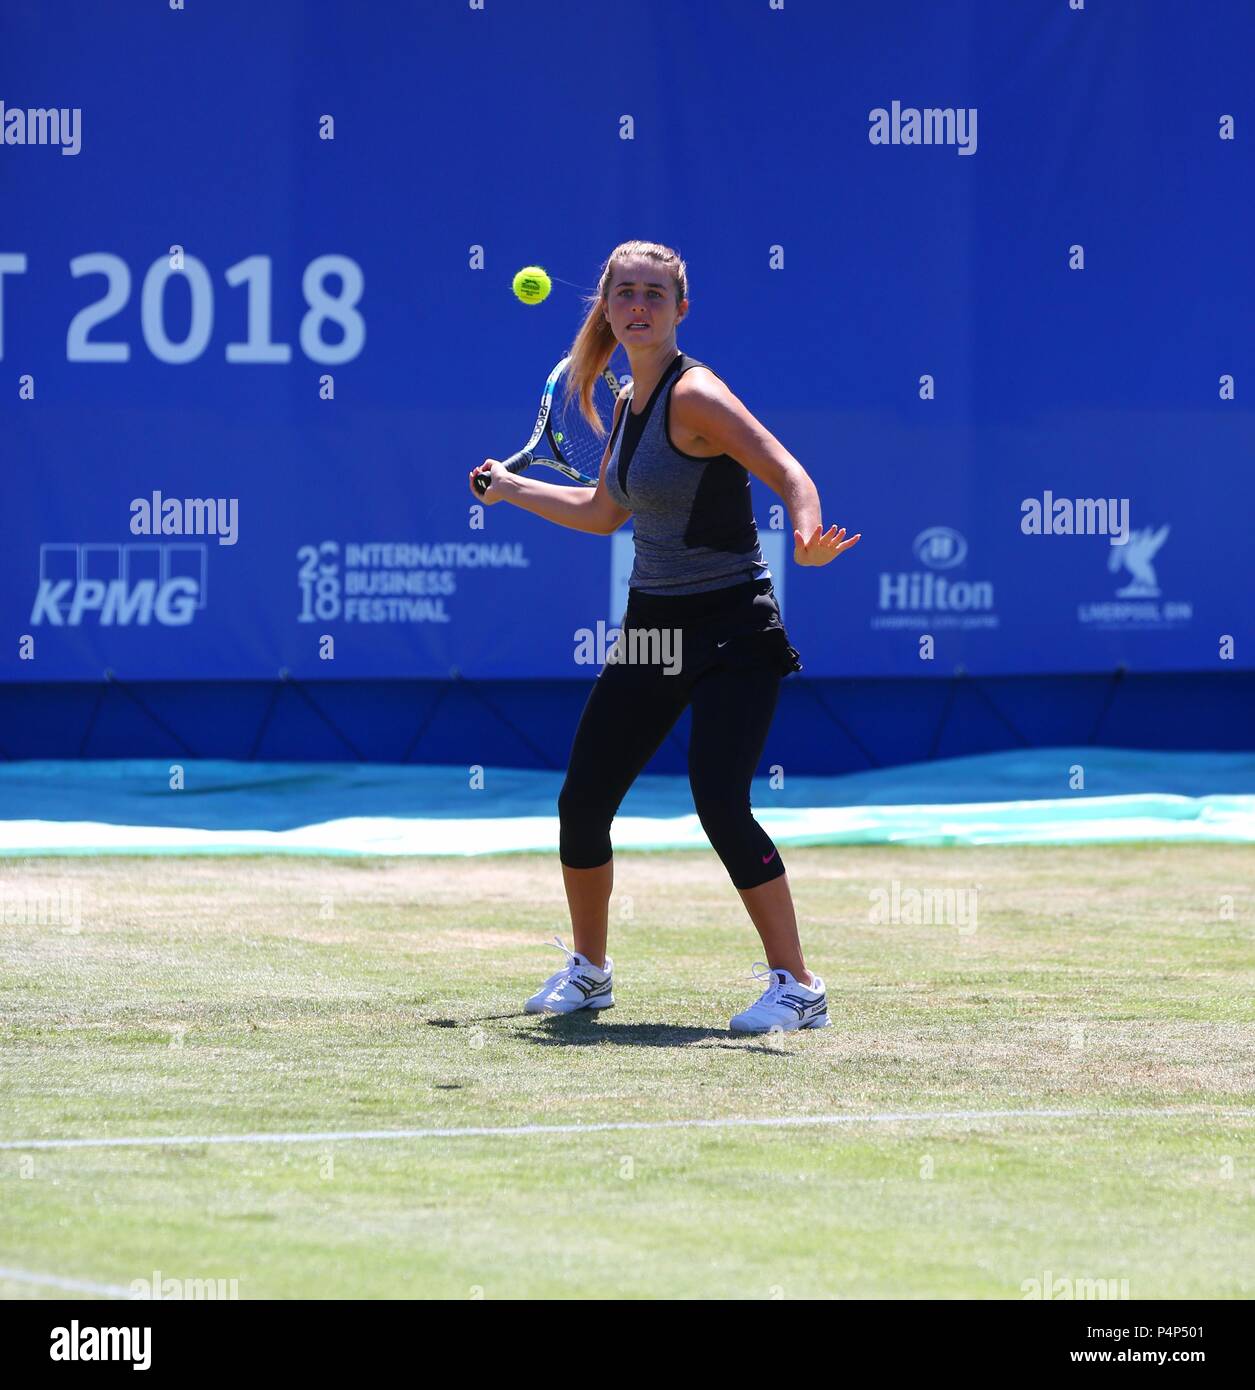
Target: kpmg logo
112,585
1137,606
42,126
930,597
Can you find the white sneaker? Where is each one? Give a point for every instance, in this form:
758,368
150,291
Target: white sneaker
578,985
785,1004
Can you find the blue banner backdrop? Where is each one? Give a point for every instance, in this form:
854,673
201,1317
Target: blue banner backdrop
958,258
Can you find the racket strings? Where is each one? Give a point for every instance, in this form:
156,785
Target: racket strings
580,445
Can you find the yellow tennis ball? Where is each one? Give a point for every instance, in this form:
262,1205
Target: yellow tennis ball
531,284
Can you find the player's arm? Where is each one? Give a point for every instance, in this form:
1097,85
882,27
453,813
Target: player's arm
702,404
578,508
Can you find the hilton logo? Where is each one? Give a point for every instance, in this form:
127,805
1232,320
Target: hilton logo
914,598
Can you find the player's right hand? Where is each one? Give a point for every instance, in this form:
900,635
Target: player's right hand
496,472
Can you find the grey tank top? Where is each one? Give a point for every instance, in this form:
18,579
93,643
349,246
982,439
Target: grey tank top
693,520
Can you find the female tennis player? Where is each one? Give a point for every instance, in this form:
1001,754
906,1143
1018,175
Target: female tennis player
678,460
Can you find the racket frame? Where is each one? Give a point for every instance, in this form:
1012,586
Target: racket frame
543,429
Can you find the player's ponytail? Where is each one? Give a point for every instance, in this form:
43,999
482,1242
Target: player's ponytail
595,343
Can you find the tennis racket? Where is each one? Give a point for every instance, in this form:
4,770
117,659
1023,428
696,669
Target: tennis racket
562,438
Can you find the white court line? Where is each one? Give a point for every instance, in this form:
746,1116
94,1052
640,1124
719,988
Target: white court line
520,1131
52,1281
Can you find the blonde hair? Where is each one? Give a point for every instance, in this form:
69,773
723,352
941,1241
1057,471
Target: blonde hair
595,343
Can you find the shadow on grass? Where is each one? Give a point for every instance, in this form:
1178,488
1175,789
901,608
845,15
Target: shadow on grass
575,1030
588,1029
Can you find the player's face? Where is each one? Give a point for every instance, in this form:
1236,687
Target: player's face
640,304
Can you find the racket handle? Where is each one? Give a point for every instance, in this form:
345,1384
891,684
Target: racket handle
516,463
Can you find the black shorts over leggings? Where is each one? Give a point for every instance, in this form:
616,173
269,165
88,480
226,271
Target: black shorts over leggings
732,653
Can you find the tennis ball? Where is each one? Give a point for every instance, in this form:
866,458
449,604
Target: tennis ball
531,284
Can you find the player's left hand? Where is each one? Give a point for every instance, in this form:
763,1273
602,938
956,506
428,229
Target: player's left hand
820,549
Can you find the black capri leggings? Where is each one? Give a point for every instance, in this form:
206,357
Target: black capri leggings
727,651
